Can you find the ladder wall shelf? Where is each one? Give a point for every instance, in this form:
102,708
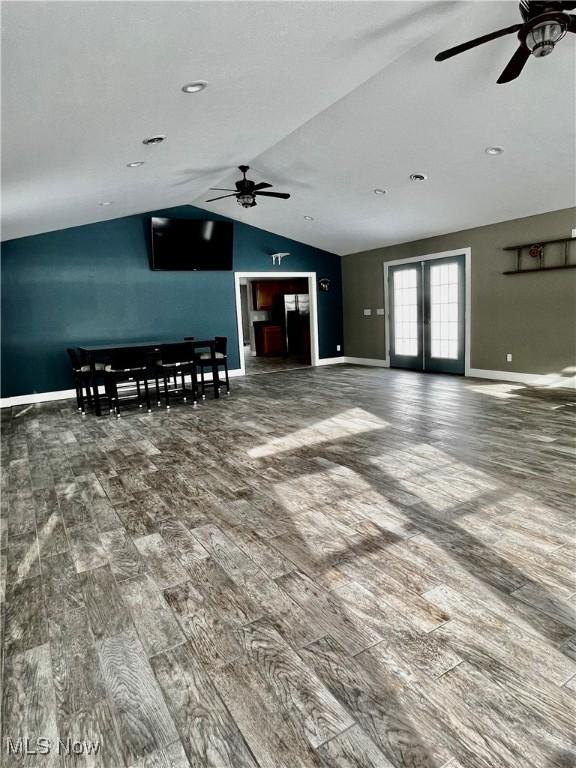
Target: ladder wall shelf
536,250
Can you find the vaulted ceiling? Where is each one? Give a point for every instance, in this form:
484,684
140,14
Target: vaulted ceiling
326,100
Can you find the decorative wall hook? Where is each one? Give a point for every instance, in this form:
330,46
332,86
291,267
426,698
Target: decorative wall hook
277,258
324,283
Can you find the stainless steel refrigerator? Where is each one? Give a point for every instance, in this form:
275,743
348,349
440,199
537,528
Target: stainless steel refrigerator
297,323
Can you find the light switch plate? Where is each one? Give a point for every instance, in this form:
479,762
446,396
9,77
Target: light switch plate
380,311
338,347
508,357
367,312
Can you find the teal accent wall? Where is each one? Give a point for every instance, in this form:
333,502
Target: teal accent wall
93,285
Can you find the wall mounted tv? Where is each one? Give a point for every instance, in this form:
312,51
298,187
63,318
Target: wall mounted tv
188,244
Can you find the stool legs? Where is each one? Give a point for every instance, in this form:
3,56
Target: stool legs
227,377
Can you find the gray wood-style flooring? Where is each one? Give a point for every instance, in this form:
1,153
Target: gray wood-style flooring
343,566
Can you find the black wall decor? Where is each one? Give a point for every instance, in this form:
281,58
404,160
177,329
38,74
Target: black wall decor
537,252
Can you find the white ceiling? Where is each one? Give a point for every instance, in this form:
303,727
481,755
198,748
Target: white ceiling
327,100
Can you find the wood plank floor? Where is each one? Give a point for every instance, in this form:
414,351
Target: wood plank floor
343,566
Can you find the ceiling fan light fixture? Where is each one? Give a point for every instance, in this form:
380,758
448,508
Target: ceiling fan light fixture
542,38
246,201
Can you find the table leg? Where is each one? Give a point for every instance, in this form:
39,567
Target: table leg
97,409
216,379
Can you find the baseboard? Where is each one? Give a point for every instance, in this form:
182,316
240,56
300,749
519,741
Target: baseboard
552,380
331,361
366,361
66,394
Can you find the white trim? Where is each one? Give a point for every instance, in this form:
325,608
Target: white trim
37,397
553,380
332,360
65,394
366,361
311,276
467,252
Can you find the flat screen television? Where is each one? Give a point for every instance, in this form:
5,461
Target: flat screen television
187,244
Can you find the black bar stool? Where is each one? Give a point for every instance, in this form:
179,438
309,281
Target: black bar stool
82,379
178,360
213,355
131,364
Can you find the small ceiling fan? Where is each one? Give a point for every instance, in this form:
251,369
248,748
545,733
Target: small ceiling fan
545,23
246,190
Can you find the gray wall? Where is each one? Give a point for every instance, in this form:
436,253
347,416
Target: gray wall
532,316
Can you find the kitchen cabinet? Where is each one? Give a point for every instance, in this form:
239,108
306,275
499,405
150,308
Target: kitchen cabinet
269,339
267,293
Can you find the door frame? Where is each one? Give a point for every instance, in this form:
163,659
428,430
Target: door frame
312,292
467,252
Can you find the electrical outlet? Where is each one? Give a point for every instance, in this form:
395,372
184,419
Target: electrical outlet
509,357
380,311
574,233
338,347
367,312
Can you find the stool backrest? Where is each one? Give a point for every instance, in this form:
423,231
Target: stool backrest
74,356
221,344
182,352
201,347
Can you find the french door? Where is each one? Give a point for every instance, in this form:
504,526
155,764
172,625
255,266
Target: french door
427,309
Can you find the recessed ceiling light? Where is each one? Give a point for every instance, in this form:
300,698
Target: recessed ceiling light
195,87
136,164
418,177
494,150
309,218
154,139
380,192
107,202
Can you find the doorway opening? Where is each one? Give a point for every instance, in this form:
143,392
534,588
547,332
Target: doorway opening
277,321
428,312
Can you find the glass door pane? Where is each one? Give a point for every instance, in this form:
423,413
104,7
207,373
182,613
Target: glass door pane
406,317
443,281
406,312
444,311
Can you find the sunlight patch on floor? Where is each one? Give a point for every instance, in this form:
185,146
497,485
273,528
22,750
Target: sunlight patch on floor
345,424
502,390
434,476
345,498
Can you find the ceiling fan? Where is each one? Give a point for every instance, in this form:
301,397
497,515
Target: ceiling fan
246,190
545,23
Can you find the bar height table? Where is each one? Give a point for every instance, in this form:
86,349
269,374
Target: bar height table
95,351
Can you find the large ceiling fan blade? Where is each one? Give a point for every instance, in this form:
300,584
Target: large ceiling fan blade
223,189
219,198
283,195
477,41
572,24
261,185
515,65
